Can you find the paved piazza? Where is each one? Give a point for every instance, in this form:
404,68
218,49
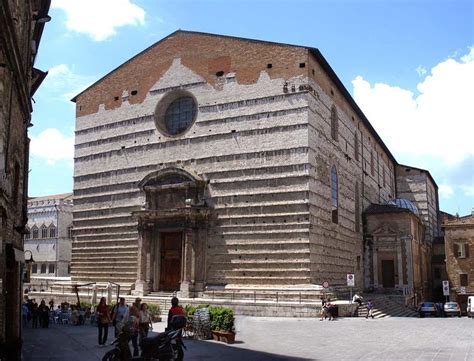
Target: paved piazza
288,339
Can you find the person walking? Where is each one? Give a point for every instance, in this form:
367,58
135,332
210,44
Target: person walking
24,313
134,317
145,321
175,310
324,309
43,311
103,320
120,315
34,314
370,309
357,299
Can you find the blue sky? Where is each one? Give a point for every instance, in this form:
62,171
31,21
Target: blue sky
409,65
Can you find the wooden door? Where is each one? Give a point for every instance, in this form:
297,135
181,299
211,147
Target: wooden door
388,273
170,271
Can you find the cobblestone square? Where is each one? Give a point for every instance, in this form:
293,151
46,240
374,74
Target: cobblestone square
261,338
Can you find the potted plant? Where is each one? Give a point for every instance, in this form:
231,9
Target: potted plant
155,312
222,324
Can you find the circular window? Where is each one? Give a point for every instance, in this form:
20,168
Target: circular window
176,112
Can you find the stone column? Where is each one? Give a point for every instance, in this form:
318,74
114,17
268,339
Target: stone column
399,263
375,263
187,276
407,241
143,264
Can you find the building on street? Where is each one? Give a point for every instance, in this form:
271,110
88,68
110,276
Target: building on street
459,242
213,162
48,235
21,27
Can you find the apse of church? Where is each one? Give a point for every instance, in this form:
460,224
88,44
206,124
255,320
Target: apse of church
212,161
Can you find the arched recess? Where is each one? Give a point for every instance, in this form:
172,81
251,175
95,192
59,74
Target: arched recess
172,229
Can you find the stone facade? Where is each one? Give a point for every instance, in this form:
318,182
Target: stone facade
266,188
48,235
459,241
20,34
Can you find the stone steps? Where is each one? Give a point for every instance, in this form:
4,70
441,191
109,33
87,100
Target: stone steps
387,306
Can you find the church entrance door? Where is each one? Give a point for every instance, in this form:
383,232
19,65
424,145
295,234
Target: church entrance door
388,273
170,270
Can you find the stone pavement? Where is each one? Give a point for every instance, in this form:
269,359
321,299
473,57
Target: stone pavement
290,339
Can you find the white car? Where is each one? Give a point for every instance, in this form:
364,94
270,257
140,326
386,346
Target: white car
452,309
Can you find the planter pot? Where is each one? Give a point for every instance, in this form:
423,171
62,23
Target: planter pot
156,318
216,335
227,337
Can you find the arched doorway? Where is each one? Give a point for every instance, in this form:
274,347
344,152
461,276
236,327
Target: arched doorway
172,233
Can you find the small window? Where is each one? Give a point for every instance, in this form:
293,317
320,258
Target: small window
35,232
43,268
27,233
44,232
34,268
51,268
460,250
334,195
463,279
372,164
52,231
334,123
358,263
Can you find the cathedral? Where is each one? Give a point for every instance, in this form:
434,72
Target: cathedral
214,162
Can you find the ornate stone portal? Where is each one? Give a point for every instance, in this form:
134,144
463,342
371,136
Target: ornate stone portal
172,233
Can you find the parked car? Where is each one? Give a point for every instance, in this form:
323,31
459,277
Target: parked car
427,309
452,309
470,306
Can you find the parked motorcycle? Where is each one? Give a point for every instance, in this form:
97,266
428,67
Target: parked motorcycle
166,346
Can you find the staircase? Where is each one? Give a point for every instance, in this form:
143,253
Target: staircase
386,306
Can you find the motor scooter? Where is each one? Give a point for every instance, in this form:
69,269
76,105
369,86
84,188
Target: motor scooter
166,346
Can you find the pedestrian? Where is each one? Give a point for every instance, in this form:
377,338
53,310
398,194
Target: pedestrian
120,315
357,299
43,311
34,314
134,317
331,310
103,320
175,310
24,313
370,309
324,309
145,321
51,305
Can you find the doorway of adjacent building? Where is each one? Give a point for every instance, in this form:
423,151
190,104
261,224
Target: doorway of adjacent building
170,270
388,273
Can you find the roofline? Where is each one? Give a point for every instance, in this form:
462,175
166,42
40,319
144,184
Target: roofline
422,170
317,54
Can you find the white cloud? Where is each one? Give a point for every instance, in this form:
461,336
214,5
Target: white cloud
421,70
468,191
445,191
99,18
438,122
63,84
52,146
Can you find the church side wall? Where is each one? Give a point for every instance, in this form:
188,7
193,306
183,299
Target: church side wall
363,178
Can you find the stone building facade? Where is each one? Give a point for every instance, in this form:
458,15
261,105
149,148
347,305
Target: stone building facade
459,241
209,161
21,26
48,235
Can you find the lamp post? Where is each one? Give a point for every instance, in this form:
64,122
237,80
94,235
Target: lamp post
29,262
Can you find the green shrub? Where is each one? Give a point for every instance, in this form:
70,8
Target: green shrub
191,309
153,309
222,318
85,304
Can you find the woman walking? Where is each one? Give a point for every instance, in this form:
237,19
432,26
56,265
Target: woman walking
103,320
145,321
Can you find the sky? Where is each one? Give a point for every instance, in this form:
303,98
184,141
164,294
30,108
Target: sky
409,64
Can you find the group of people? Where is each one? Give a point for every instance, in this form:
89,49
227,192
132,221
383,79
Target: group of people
37,314
328,310
370,305
137,314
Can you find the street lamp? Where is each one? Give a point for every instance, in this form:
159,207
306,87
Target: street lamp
29,262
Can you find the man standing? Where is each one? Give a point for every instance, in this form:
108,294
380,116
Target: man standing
120,315
370,309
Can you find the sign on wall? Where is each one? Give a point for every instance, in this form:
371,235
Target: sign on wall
445,288
350,280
